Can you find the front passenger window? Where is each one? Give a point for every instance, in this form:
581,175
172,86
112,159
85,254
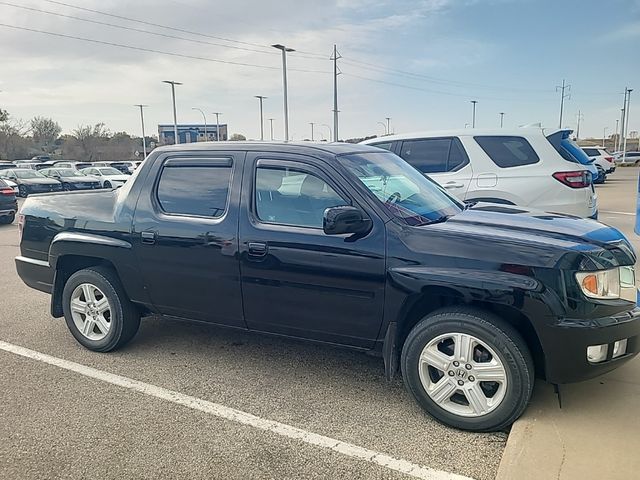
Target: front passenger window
293,197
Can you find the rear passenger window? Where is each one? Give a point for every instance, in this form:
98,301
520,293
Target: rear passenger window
190,189
434,155
293,197
508,151
386,146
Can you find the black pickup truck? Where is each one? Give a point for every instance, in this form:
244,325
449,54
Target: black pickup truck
346,245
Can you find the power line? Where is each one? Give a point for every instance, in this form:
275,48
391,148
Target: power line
151,50
149,32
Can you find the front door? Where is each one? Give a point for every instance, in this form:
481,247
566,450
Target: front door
296,280
185,234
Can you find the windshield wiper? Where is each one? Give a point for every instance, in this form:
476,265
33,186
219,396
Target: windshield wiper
440,219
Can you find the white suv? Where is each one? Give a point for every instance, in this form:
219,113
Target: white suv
601,157
516,167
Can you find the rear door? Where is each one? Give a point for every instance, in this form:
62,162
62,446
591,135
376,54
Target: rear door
443,159
186,235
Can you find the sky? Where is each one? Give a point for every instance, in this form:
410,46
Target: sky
418,62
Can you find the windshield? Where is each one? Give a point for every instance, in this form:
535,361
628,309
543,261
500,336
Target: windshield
28,174
70,172
109,171
406,193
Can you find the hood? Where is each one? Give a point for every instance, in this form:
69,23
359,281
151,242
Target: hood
504,233
38,181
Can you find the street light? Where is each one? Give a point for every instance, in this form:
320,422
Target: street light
312,124
204,117
604,134
473,117
388,119
261,98
501,119
217,114
144,140
271,125
626,125
384,125
175,117
328,127
284,51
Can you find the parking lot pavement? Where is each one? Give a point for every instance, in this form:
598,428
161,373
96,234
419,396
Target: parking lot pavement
59,424
595,434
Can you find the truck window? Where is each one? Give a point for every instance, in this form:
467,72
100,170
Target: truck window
293,197
194,190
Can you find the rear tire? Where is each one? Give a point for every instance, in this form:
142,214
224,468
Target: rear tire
7,219
66,187
485,375
22,191
97,310
107,184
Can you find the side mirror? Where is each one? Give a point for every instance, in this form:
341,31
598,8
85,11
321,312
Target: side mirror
345,219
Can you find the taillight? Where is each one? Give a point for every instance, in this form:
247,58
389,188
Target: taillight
7,191
20,226
577,179
609,159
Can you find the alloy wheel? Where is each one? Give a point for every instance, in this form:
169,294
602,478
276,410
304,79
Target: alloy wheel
91,311
462,374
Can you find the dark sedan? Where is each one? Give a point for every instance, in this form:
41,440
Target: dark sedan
8,203
30,181
72,179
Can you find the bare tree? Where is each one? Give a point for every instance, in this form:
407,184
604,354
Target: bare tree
45,131
237,137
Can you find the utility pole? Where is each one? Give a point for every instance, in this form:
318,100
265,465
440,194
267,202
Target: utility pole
615,145
312,124
388,119
335,58
144,140
622,117
604,135
271,125
261,98
501,119
284,51
564,87
175,117
473,117
204,117
626,119
579,118
217,114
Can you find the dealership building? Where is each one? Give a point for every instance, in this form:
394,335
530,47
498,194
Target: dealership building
191,132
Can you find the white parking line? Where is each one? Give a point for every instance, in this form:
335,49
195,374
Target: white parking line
618,213
215,409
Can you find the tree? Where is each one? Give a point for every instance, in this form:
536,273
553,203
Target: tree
45,131
237,137
4,116
86,142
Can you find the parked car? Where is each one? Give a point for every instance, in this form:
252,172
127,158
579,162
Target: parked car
513,167
30,181
344,244
125,167
12,185
631,158
72,179
602,158
107,176
76,165
41,158
5,165
8,203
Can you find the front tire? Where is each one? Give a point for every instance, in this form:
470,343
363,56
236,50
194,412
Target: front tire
468,369
22,191
107,184
97,310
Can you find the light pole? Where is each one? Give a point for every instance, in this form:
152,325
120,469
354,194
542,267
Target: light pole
175,116
261,98
388,125
144,140
217,114
473,116
384,125
626,126
204,117
328,127
312,125
615,145
604,135
284,51
271,125
501,119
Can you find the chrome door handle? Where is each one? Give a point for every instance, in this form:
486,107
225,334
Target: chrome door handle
453,185
257,249
148,238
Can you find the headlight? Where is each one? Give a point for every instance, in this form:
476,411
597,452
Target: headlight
609,284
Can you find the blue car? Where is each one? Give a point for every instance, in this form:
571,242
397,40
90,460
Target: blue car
569,149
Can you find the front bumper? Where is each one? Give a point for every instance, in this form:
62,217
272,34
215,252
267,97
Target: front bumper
565,345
